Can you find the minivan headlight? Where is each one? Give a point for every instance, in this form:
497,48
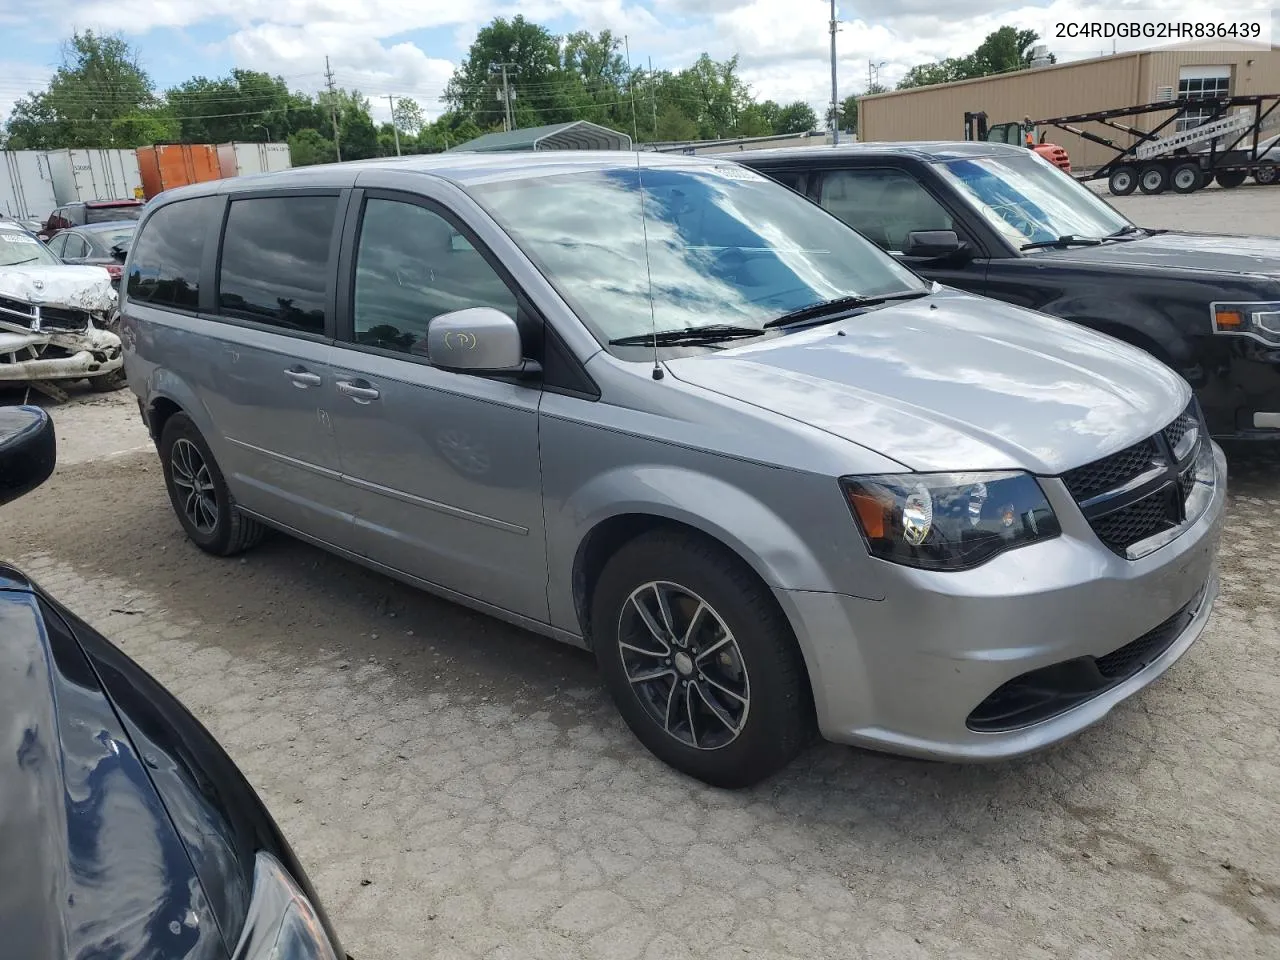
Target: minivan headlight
949,521
1260,319
281,924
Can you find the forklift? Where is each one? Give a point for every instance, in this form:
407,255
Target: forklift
1018,134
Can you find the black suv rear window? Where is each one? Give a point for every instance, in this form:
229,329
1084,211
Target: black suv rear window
275,261
128,211
165,268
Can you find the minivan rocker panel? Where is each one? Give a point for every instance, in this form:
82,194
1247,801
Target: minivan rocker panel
955,382
915,520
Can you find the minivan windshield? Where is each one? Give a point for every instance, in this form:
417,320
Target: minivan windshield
1029,200
719,246
19,248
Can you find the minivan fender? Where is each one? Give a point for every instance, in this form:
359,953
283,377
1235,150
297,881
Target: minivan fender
164,385
622,502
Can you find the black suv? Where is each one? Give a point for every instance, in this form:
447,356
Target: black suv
1001,221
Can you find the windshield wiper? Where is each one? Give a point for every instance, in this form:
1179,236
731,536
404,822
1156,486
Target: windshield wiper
689,336
831,309
1127,233
1068,240
18,263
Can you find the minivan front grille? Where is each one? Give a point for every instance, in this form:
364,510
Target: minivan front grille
1143,490
1110,472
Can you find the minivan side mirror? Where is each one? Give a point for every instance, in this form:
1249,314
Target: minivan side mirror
934,245
28,450
476,340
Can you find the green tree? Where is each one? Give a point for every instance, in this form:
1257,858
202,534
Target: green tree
309,146
533,67
407,116
796,117
1002,51
244,105
99,82
357,136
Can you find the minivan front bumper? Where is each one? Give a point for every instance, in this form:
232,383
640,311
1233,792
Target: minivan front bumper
922,671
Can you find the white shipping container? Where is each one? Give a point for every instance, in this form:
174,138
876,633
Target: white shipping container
95,175
26,185
240,159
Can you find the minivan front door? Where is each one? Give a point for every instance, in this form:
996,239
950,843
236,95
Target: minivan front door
445,465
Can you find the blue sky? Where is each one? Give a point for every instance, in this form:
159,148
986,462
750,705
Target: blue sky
410,47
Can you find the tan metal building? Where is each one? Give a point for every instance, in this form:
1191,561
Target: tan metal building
1082,86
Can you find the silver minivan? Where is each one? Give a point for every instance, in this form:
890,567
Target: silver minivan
667,410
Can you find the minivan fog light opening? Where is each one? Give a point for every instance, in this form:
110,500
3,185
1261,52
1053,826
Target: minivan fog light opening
949,521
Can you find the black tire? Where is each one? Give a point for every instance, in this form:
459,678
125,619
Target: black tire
1123,181
776,721
108,382
230,531
1230,179
1186,178
1267,174
1153,178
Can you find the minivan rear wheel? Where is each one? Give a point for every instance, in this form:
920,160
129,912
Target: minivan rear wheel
699,660
199,493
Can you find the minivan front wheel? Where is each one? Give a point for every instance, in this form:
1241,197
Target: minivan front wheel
199,494
699,660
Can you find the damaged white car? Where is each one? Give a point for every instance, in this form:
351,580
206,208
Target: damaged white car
56,320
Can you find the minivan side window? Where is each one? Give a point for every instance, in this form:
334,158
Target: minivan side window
883,205
168,252
275,261
412,266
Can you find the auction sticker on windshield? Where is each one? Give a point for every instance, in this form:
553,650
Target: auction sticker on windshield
19,238
739,173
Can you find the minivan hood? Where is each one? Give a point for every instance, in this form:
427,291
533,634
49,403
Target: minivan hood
954,382
1219,253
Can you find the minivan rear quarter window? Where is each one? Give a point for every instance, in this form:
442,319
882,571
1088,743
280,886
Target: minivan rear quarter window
165,268
275,261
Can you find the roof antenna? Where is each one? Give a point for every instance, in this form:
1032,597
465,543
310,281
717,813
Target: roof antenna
644,230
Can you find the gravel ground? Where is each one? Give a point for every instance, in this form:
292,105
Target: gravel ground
458,788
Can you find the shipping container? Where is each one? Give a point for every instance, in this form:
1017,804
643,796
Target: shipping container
26,185
242,159
94,175
170,165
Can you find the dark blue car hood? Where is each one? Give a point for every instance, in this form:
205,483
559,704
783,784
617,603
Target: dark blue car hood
90,862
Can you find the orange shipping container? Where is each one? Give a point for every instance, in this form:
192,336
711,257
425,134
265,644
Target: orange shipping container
169,165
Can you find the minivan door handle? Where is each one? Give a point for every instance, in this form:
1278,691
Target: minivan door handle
302,378
358,390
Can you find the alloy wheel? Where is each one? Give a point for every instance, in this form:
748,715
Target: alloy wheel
194,484
684,665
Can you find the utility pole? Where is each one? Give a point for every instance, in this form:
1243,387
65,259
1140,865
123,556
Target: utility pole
394,128
508,121
631,83
333,106
835,101
653,102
